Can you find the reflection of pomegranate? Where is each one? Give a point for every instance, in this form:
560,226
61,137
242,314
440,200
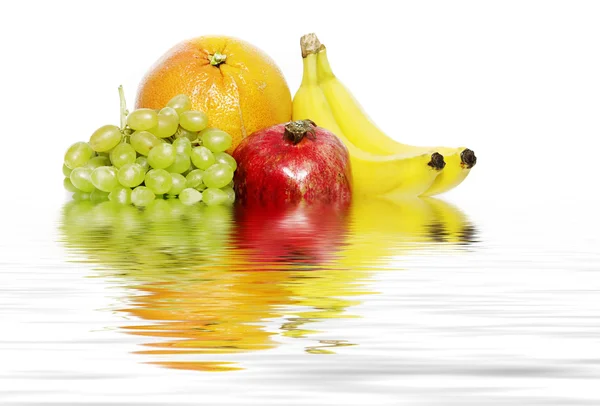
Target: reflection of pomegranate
297,234
293,162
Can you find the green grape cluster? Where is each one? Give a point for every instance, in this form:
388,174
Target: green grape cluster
170,153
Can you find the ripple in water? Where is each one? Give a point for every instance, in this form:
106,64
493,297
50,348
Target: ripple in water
209,281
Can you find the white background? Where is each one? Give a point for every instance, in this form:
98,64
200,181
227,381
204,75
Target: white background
516,81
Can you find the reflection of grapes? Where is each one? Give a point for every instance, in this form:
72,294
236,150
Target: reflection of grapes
158,154
164,238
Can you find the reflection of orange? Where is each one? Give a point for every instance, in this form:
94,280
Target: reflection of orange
211,315
199,299
217,311
242,93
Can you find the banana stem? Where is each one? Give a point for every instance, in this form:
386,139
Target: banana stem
309,44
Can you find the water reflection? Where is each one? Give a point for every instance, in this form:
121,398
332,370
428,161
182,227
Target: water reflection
215,280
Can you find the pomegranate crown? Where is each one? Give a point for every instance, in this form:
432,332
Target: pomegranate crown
295,131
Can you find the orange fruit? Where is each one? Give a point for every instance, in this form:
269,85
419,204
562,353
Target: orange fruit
236,84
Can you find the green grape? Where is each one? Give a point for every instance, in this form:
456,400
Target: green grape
178,183
69,187
230,194
98,196
131,175
105,178
218,176
202,158
141,196
158,181
78,154
121,195
166,126
183,133
169,111
183,146
98,161
143,141
81,196
142,119
162,156
200,187
180,103
182,163
143,162
225,158
194,178
193,120
213,197
82,179
105,138
190,196
122,154
215,139
66,170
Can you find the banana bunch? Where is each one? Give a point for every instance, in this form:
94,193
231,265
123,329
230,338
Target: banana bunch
381,166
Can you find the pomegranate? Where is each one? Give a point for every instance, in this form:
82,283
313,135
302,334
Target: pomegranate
292,163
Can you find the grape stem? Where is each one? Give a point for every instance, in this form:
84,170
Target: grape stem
124,111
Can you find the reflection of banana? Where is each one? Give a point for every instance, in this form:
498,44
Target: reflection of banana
364,134
204,291
381,229
451,224
408,173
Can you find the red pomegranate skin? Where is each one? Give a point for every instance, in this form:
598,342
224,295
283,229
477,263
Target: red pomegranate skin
272,169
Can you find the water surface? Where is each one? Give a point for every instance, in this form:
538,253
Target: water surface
381,303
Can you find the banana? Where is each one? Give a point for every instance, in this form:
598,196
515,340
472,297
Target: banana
364,134
408,173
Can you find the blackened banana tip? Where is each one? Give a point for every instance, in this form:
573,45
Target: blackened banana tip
437,161
468,158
